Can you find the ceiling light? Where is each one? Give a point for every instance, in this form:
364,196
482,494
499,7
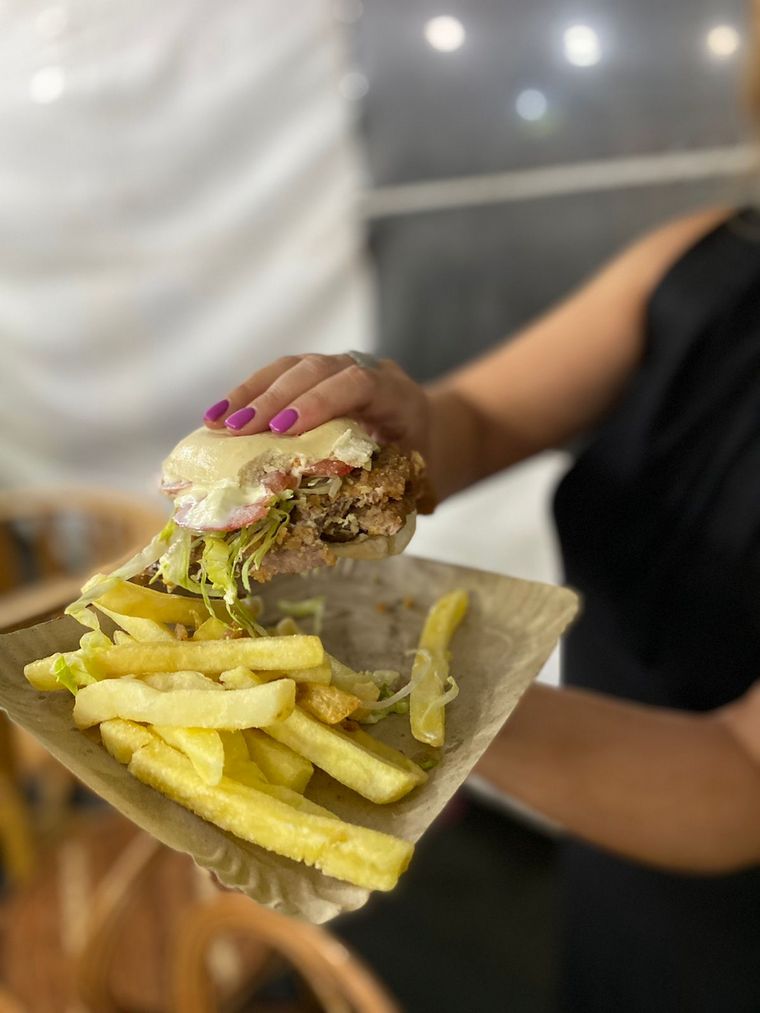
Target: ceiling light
582,47
531,105
445,33
722,41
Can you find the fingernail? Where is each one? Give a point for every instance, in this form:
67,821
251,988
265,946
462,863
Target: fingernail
216,410
282,422
240,418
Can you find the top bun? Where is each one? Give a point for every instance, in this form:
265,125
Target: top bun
210,456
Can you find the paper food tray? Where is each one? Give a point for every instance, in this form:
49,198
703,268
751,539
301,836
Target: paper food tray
374,614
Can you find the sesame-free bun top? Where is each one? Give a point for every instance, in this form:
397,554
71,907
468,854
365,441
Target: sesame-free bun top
208,456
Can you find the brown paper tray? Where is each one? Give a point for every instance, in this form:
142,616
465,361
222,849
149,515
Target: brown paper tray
374,614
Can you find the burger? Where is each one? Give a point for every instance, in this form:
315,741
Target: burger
246,508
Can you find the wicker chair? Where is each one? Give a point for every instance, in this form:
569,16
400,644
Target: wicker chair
116,923
50,541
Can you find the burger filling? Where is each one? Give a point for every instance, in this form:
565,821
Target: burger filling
220,541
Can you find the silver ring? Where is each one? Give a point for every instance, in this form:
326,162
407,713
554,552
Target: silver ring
364,359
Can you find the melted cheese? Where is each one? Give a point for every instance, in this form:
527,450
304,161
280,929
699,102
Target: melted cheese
223,471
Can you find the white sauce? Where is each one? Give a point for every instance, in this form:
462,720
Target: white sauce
213,508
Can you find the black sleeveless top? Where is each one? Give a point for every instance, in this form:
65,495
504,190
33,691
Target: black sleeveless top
659,523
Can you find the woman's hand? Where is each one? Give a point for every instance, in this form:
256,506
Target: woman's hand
299,392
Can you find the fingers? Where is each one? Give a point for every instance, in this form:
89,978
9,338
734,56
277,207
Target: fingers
298,393
216,416
265,400
347,392
273,406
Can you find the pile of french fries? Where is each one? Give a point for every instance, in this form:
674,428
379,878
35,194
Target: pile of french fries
231,726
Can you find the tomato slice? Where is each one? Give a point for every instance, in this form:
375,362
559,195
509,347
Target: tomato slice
278,481
327,468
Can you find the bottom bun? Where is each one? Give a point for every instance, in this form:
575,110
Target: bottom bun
378,546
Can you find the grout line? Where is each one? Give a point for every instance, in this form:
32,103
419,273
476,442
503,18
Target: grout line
557,180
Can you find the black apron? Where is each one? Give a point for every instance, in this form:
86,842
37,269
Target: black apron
659,523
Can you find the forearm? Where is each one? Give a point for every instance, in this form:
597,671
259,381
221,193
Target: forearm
670,789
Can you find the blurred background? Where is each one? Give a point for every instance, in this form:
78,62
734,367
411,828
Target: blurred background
188,190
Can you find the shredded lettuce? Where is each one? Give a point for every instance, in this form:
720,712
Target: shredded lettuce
388,701
327,486
72,672
98,585
314,607
64,675
214,564
215,568
211,565
385,679
174,564
367,716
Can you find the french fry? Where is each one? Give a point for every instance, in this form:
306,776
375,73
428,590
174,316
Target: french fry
328,703
120,637
287,627
241,767
210,656
380,778
245,772
383,751
202,746
141,630
278,763
354,854
186,708
235,748
40,673
249,775
212,629
430,669
169,681
381,774
357,683
146,603
319,674
239,677
123,738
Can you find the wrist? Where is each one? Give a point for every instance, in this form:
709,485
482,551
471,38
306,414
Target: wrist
453,441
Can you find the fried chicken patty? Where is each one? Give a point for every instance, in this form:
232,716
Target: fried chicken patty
369,503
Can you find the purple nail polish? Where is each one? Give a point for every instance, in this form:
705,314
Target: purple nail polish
216,410
284,420
240,418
